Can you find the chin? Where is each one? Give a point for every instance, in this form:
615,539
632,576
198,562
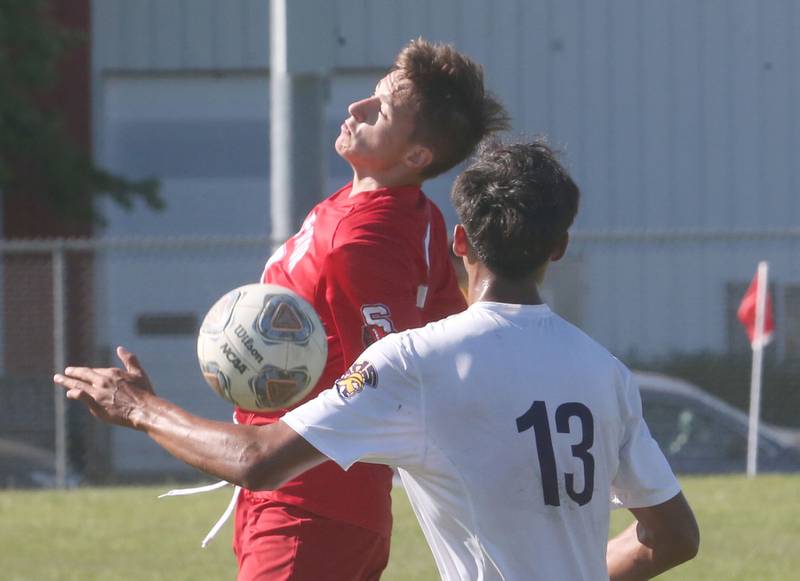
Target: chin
340,147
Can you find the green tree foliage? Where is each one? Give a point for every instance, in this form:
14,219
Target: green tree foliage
37,157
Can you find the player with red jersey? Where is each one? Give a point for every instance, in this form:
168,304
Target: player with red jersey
371,259
370,264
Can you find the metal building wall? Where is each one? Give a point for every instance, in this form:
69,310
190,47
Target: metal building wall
673,116
679,120
175,35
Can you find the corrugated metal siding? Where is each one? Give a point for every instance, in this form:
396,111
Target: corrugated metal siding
679,114
169,35
673,115
651,299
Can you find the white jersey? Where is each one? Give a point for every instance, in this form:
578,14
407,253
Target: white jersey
512,431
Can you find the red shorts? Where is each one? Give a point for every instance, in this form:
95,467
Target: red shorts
277,542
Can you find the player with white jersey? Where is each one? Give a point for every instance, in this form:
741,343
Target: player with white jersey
512,430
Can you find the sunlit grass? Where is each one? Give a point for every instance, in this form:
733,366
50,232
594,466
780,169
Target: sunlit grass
750,531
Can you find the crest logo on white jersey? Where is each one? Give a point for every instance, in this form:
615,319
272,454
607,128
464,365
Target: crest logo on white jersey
360,375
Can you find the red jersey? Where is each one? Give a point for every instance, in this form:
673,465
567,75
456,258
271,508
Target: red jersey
370,265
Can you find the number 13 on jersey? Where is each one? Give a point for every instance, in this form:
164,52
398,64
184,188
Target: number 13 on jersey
537,418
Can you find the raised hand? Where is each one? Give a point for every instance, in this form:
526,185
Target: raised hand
111,394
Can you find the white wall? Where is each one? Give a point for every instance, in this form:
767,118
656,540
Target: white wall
674,117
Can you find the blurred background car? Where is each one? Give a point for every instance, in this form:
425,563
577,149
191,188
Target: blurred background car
26,466
701,434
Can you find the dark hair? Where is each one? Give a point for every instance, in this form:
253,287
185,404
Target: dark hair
516,202
453,110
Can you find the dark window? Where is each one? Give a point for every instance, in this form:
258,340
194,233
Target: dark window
195,148
166,324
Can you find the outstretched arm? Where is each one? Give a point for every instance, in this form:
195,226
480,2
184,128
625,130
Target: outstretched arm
254,457
662,537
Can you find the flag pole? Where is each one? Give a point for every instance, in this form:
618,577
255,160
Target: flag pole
755,374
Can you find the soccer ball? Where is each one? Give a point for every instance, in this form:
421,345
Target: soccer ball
262,347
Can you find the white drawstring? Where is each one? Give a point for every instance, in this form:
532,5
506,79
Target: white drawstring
208,488
223,519
198,490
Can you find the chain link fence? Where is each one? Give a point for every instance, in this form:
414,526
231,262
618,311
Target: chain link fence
663,302
71,302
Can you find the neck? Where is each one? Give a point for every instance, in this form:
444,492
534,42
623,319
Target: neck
484,285
369,182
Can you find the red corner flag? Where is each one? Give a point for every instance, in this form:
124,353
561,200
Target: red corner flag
748,306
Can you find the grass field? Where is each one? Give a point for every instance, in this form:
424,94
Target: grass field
750,531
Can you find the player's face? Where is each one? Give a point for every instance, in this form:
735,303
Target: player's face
377,135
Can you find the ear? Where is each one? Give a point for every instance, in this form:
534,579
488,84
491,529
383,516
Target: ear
560,249
461,244
419,157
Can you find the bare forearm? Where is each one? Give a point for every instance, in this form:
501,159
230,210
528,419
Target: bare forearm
637,554
628,559
254,457
224,450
